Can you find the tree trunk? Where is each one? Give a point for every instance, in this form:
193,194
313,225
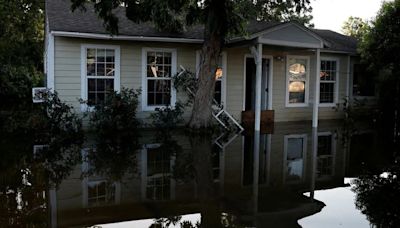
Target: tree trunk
201,114
214,36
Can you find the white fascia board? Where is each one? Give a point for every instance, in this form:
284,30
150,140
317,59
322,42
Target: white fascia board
117,37
289,43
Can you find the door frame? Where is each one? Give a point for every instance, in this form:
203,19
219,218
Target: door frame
269,82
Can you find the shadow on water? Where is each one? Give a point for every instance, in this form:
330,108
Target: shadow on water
170,178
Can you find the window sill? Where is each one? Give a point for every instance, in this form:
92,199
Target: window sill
303,105
86,108
327,105
153,108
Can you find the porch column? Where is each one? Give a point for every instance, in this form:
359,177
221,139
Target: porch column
257,119
317,85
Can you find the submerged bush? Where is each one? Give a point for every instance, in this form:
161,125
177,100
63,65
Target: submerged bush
116,135
117,112
168,117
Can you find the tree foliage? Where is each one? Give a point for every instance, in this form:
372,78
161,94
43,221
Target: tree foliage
21,48
355,27
379,49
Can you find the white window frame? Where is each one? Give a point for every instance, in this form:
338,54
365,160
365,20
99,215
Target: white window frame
336,85
306,96
285,147
173,52
224,75
116,77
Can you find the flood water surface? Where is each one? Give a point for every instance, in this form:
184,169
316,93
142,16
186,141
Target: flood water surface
294,177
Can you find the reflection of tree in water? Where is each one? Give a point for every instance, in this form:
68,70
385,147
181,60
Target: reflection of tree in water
28,172
378,197
113,154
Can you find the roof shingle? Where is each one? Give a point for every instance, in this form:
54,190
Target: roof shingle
61,18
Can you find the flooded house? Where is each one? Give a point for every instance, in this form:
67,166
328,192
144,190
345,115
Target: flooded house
306,74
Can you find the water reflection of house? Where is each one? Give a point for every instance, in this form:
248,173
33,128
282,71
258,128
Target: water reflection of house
285,168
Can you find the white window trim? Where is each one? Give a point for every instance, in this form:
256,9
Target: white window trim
333,149
145,107
306,96
336,89
285,147
224,76
117,74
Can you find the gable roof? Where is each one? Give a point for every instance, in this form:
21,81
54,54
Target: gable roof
60,19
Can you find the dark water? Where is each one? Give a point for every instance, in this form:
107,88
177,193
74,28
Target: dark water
291,178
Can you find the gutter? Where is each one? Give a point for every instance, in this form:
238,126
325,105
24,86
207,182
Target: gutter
123,37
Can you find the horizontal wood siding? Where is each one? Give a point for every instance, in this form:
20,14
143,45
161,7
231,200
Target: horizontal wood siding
68,75
68,65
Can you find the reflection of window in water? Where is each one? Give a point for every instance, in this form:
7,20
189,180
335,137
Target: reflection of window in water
158,174
215,160
100,192
295,148
325,156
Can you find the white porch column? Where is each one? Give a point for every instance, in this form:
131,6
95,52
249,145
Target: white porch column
257,119
317,85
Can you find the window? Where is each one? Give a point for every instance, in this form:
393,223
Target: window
100,193
297,81
295,148
100,72
363,81
328,82
220,78
159,67
158,174
219,75
325,156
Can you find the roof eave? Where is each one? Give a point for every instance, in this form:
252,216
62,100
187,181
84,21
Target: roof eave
124,37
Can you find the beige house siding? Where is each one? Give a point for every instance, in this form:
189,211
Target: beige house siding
68,75
68,66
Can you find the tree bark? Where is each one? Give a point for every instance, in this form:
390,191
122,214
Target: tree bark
201,113
214,36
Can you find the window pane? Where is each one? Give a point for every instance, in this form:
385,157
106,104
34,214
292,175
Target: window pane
217,93
91,85
294,148
324,145
296,92
327,92
297,69
167,58
100,69
101,55
158,92
110,55
110,69
91,69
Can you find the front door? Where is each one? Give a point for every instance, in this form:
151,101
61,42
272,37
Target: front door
251,84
